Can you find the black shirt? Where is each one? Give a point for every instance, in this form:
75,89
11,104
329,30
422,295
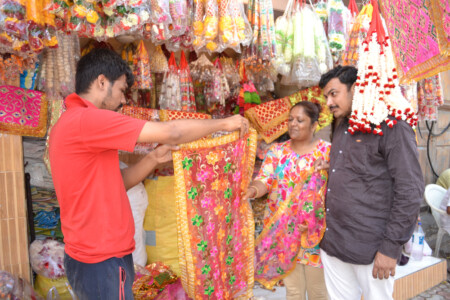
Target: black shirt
375,188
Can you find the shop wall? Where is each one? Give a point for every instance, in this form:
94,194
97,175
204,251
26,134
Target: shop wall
13,213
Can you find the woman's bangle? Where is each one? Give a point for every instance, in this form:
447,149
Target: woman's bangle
256,190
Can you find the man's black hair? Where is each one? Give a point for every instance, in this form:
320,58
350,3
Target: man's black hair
347,75
100,61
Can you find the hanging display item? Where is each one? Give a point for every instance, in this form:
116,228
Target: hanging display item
337,14
304,51
57,107
186,86
416,47
23,112
429,96
377,93
216,228
357,34
170,97
219,25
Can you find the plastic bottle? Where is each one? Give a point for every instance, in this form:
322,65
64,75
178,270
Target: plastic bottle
418,239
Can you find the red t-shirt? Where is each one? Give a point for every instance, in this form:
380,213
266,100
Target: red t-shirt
96,217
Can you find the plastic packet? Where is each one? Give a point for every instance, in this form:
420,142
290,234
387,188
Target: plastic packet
6,284
336,27
141,71
211,25
47,258
16,288
198,26
186,86
170,97
158,61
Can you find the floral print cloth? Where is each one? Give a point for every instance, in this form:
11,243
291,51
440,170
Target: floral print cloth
296,196
216,228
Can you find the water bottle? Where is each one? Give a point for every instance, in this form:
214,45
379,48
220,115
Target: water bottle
418,240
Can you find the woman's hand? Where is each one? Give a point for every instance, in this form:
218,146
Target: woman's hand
249,194
320,164
302,227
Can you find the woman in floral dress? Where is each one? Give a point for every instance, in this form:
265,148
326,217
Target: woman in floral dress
288,246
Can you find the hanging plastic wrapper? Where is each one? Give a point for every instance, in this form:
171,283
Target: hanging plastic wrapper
321,10
12,287
311,53
357,34
142,73
234,28
158,61
186,86
337,14
260,16
351,17
47,258
284,37
170,97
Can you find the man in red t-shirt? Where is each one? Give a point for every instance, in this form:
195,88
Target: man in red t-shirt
96,217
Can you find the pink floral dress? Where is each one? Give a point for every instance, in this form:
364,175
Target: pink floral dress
296,196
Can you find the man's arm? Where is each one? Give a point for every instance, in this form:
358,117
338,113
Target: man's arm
136,173
400,152
183,131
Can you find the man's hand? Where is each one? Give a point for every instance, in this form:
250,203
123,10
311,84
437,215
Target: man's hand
383,266
163,153
237,122
320,164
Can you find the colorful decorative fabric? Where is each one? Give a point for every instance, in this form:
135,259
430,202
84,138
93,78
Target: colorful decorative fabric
273,133
142,113
429,96
414,39
57,107
296,196
169,115
216,228
269,114
22,111
441,19
314,94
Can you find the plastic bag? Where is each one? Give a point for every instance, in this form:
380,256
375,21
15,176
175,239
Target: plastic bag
170,97
337,13
12,287
186,86
141,70
47,258
58,289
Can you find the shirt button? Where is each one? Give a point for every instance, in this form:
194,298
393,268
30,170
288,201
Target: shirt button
328,209
329,190
340,151
333,170
326,229
345,132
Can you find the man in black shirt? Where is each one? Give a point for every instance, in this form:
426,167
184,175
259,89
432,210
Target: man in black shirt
374,192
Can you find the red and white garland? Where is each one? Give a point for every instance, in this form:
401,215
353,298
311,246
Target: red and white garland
377,92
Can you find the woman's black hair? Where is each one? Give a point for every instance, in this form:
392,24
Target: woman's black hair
347,75
311,109
100,61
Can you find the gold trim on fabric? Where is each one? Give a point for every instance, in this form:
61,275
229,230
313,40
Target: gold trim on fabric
39,131
185,260
436,17
187,268
252,115
269,139
433,66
